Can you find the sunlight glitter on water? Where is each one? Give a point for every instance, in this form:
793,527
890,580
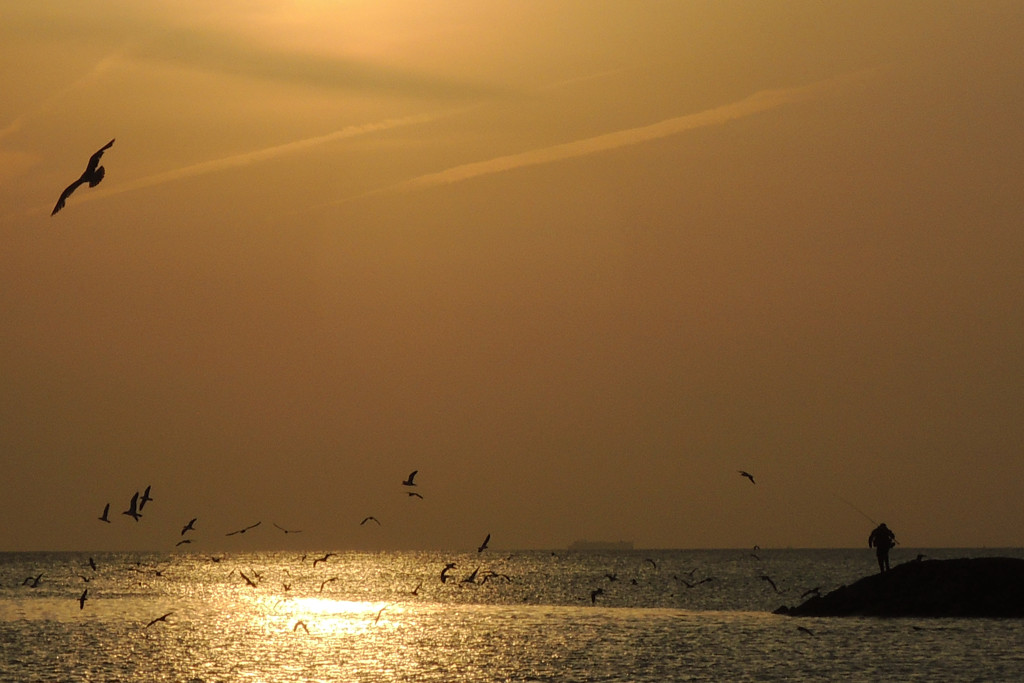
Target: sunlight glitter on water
324,615
539,624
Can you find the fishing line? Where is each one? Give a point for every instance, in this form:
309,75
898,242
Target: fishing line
861,512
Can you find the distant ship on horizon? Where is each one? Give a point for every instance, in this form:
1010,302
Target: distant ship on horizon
601,545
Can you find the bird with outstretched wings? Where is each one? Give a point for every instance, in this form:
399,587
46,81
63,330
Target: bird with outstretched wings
93,174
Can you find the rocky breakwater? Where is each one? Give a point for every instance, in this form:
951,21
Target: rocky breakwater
968,587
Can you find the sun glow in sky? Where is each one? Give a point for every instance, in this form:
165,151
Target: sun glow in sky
578,263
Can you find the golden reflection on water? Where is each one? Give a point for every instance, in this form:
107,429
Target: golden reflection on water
368,624
318,616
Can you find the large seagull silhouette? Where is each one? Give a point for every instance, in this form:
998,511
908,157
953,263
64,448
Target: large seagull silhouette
93,174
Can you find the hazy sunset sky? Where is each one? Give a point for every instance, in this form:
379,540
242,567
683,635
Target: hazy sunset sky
577,262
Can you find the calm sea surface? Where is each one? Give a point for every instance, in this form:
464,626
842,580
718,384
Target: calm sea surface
660,615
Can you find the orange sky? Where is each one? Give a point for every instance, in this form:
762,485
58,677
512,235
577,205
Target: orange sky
575,262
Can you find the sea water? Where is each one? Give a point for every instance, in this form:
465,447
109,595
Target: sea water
658,615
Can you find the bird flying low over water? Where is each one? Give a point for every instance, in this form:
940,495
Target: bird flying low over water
133,510
183,542
326,557
302,624
413,494
483,546
93,174
409,481
287,531
243,530
81,599
748,475
371,518
163,619
765,577
106,511
594,593
190,526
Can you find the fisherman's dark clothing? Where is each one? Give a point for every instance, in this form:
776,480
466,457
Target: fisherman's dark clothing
882,539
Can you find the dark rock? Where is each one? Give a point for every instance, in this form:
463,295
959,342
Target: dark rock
975,587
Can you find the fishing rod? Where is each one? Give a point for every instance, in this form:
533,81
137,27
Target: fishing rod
861,512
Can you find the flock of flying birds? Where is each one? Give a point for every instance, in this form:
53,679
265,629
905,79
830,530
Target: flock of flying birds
93,175
140,500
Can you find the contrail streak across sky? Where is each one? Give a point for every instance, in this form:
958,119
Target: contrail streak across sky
758,102
265,154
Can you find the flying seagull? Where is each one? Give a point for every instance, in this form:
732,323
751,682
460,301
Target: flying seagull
189,526
252,584
133,510
765,577
594,593
145,499
81,599
243,530
93,174
302,624
92,563
409,482
183,542
371,518
377,618
748,475
444,572
163,619
106,511
483,546
287,531
327,581
414,494
322,559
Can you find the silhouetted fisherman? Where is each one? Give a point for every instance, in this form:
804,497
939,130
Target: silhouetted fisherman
882,539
